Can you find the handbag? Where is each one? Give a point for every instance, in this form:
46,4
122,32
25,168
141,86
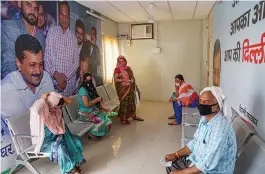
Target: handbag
137,96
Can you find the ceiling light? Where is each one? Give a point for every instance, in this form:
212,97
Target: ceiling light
95,15
151,5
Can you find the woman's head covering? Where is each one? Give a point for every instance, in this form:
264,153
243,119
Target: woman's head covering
220,97
50,112
85,77
54,99
122,69
89,86
121,57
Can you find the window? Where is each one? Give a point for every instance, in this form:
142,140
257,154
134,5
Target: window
110,55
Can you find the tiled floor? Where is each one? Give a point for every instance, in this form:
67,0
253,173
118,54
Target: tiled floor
142,145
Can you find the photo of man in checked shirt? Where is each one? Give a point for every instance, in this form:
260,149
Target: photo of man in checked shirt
62,53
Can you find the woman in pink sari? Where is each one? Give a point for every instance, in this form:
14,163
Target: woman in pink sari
125,87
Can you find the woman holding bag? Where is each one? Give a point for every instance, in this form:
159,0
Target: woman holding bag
125,87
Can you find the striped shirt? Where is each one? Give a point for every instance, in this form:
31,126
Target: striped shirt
62,55
214,146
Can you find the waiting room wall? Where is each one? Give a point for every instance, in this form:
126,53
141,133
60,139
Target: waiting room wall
242,70
109,28
181,44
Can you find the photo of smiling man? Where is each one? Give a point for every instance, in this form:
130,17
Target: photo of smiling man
11,29
21,88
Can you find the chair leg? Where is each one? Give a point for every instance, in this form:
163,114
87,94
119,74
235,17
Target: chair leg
13,169
31,168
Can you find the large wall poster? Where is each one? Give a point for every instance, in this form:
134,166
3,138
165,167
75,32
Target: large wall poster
93,29
11,11
47,17
240,28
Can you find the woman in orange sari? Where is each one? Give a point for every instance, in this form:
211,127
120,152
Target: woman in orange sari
185,96
125,87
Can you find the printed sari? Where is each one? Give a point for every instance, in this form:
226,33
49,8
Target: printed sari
126,94
94,114
66,149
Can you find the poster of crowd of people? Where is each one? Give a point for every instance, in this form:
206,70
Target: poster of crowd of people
67,44
239,44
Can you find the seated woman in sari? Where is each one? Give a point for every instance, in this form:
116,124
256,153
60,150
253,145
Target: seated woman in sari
92,109
185,96
125,87
53,136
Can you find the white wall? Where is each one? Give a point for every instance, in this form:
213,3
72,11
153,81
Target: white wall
109,28
204,60
242,81
181,44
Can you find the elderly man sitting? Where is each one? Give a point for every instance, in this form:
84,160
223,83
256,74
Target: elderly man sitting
213,149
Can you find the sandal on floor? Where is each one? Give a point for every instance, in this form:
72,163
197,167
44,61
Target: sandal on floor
79,169
125,122
75,171
138,119
92,137
171,117
174,123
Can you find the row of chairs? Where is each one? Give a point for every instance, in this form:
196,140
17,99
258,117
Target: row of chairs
250,147
20,129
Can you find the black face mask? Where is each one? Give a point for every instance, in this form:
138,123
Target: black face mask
206,109
88,82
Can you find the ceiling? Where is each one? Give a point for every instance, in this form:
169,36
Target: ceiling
139,11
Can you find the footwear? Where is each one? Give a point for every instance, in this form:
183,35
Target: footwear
92,137
174,123
171,117
75,170
125,122
79,169
138,119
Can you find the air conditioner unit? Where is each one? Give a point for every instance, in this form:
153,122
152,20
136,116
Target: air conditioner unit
142,31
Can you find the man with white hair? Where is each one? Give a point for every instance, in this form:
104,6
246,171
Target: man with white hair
213,148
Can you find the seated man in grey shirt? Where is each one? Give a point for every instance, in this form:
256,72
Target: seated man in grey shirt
20,89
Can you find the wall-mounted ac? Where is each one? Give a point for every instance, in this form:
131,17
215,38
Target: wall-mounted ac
142,31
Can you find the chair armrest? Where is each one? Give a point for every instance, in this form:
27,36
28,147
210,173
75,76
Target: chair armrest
24,136
196,114
189,124
28,149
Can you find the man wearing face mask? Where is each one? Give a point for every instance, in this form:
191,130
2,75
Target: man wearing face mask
11,29
213,149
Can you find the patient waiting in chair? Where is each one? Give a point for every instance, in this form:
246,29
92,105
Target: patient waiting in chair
53,136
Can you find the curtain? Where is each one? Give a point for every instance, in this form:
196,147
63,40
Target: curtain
110,54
